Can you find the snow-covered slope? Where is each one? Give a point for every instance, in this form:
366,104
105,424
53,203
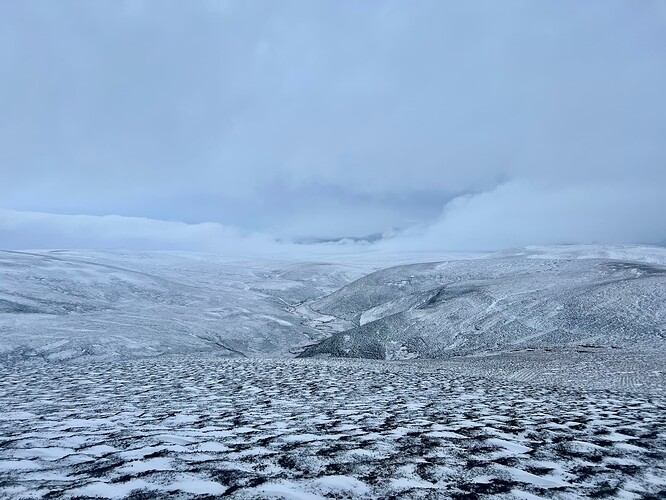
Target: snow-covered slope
70,304
500,303
188,427
63,305
647,254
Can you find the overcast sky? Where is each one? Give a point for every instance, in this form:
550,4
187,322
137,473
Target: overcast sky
450,125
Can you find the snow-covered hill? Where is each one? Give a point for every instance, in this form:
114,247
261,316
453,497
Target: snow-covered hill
70,304
506,302
64,305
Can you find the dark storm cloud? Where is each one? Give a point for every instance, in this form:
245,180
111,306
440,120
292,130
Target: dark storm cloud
545,119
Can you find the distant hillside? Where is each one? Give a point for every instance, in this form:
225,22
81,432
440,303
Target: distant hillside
66,305
503,303
62,305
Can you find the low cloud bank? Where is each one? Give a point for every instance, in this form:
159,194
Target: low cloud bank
514,214
521,213
24,230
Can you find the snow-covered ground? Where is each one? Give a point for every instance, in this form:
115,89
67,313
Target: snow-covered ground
147,375
501,303
67,305
260,428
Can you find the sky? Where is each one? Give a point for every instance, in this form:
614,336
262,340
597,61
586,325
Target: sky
212,125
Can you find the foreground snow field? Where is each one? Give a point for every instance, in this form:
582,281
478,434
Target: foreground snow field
258,428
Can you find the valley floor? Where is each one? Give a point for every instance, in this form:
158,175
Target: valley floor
513,425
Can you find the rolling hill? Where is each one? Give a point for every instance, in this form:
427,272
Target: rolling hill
466,307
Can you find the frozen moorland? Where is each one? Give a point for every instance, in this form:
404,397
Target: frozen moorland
524,374
69,305
468,307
